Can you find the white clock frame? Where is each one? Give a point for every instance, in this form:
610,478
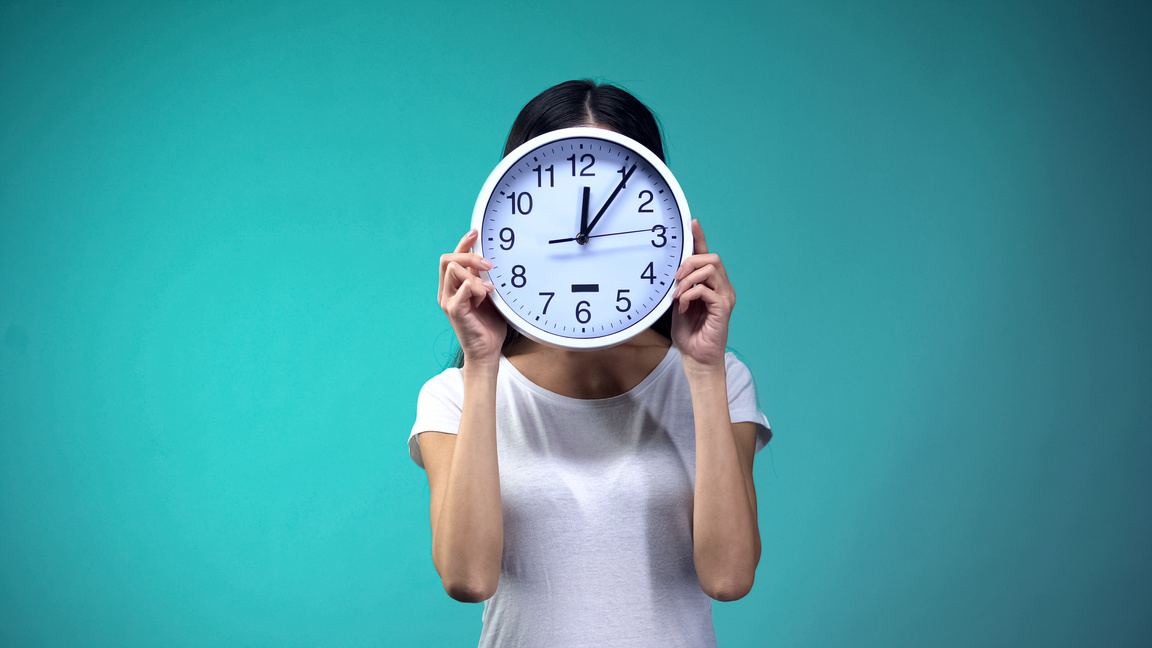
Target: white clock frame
510,314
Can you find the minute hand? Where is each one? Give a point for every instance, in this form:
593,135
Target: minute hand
604,208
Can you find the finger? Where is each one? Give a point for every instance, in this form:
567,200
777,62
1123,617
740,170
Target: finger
692,263
705,275
712,274
463,246
699,245
469,294
458,274
466,243
455,275
469,259
479,288
699,292
480,291
474,262
458,303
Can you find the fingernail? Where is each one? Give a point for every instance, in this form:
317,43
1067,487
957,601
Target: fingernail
486,264
490,286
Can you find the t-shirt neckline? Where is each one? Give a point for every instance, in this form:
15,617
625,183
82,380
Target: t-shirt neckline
665,364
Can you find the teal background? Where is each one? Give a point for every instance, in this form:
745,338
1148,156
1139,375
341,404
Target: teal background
219,225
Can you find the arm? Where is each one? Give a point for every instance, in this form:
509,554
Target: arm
725,534
463,474
466,514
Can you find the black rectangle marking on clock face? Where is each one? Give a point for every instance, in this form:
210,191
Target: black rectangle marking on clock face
585,288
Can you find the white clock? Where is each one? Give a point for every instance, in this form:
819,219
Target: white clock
586,228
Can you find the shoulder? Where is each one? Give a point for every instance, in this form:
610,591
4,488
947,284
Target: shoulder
743,399
447,383
738,373
438,409
442,395
732,360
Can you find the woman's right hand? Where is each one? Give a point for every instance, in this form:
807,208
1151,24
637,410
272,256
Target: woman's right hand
464,297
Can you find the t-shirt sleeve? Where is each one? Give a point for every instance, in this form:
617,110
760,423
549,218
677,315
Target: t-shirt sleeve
742,404
438,409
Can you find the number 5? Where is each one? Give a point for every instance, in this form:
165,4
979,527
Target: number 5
621,298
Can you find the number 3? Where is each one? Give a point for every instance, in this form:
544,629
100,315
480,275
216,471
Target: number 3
659,229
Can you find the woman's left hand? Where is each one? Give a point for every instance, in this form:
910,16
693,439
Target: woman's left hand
704,301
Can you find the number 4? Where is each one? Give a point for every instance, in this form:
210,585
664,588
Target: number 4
649,274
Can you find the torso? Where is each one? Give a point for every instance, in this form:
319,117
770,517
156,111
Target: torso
597,498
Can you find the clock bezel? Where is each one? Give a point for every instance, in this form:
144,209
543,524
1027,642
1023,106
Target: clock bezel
527,328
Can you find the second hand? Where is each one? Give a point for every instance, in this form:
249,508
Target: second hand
568,240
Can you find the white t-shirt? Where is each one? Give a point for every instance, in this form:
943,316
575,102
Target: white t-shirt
597,498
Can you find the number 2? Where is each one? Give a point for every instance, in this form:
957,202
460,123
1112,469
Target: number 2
644,209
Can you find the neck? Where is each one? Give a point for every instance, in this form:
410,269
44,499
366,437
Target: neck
602,373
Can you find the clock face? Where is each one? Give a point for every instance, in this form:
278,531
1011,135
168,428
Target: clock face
586,228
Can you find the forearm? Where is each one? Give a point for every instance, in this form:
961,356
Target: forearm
468,536
726,539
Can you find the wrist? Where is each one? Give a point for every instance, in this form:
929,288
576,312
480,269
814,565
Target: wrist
705,372
481,368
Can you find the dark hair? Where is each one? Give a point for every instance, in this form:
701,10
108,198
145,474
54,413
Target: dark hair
585,103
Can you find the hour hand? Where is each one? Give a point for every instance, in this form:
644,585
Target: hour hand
582,237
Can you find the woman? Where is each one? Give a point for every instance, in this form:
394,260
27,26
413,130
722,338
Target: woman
592,497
